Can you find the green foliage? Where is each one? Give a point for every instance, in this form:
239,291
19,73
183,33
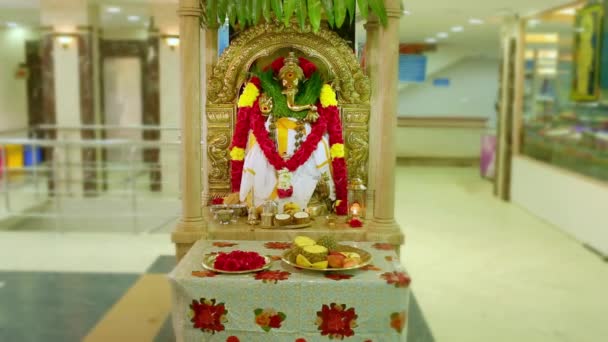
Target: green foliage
246,13
340,12
308,93
363,8
328,6
314,13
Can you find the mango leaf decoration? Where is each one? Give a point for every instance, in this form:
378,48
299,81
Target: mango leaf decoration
379,10
289,7
351,7
328,6
314,14
250,12
301,13
266,10
363,8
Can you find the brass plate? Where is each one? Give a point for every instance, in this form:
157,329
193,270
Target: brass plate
366,258
209,260
290,226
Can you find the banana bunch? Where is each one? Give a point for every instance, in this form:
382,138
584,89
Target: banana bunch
291,208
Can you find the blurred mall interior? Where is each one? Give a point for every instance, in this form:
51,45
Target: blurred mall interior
499,158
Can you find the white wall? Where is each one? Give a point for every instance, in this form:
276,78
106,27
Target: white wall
437,142
574,203
13,92
471,93
170,104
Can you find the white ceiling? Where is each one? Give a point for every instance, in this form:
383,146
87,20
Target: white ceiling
429,17
426,18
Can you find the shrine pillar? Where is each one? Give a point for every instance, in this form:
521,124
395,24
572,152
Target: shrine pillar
191,226
383,58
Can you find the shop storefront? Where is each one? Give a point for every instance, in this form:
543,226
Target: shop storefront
559,166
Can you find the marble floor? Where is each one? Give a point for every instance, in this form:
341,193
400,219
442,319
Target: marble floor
482,270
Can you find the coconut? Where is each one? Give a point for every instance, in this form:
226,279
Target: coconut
282,219
301,217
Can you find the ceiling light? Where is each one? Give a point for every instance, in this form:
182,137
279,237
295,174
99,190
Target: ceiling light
133,18
11,24
442,35
568,11
113,9
457,29
475,21
406,12
431,40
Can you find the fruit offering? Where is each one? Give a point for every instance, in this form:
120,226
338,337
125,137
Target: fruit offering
323,254
239,261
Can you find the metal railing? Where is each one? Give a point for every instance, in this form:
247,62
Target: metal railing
66,183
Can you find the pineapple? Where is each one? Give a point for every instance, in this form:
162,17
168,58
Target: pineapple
328,242
315,253
300,242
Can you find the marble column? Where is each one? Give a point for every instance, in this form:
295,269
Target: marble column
383,59
191,226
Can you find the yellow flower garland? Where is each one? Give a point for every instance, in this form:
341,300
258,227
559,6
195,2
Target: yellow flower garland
328,96
237,153
337,151
250,94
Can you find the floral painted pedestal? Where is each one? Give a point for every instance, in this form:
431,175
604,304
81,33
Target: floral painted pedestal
288,304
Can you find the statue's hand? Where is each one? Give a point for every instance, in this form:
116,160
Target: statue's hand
312,115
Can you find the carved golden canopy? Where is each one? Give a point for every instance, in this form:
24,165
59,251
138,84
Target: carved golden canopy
264,42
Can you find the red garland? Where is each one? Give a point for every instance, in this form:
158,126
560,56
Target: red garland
334,129
241,133
269,148
329,120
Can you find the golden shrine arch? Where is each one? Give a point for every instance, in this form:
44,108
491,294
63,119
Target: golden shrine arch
260,45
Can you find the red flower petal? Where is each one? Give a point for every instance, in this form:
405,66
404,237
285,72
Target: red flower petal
384,246
232,339
275,321
278,245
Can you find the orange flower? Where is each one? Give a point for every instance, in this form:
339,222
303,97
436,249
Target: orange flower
398,320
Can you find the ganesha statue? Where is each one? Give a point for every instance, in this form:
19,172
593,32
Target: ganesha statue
288,137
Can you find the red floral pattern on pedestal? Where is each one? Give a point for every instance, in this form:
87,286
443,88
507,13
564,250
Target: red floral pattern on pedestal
208,316
272,276
278,245
370,268
383,246
269,318
223,244
336,321
400,279
338,276
398,320
204,274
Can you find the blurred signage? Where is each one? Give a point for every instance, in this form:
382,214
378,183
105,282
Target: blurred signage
412,68
441,82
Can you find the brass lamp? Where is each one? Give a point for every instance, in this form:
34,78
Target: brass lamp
356,198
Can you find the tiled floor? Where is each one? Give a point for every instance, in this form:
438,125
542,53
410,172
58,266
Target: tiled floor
485,270
482,270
